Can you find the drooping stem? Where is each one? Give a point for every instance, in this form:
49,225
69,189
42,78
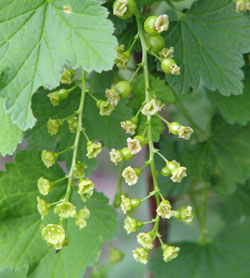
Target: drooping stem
77,138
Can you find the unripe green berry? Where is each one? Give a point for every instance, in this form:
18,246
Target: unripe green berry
135,203
149,25
174,127
123,88
122,10
135,120
63,94
165,171
167,64
155,43
138,172
126,153
142,139
172,165
99,103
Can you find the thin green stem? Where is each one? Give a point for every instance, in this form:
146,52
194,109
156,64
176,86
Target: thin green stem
133,43
164,120
162,156
59,180
69,117
117,199
134,75
85,134
91,95
67,150
78,134
73,88
154,54
149,196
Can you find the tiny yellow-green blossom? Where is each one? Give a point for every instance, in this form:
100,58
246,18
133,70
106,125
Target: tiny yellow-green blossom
106,108
184,215
93,149
146,240
54,98
242,6
54,234
42,207
125,204
131,224
175,70
141,255
49,158
81,217
129,127
152,107
167,52
65,210
79,171
73,124
115,156
169,252
44,186
112,96
165,210
54,125
134,145
185,132
178,174
130,175
162,23
115,255
67,76
120,7
87,187
122,58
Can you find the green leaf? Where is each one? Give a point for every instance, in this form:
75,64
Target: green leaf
209,41
21,242
234,109
38,37
226,257
10,135
10,273
224,159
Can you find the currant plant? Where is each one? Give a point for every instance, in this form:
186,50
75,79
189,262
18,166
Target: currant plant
164,87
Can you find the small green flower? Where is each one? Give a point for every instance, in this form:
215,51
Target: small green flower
128,204
87,187
134,145
93,149
44,186
65,210
54,125
81,217
165,210
167,52
132,225
169,252
112,96
185,132
49,158
129,127
73,124
146,240
115,156
105,107
54,98
120,7
79,171
178,174
162,23
115,255
122,58
54,234
152,107
42,207
242,6
131,175
184,214
141,255
67,76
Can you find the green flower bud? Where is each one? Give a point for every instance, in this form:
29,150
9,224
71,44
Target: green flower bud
87,187
65,210
178,174
152,107
73,124
115,255
131,175
116,156
128,204
165,210
172,165
165,171
174,128
53,234
112,96
81,217
44,186
57,96
132,225
93,149
123,88
63,94
134,145
54,125
42,207
67,76
49,158
184,214
169,252
105,107
129,127
142,139
79,170
167,52
122,58
141,255
126,153
146,240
